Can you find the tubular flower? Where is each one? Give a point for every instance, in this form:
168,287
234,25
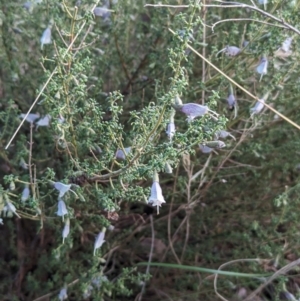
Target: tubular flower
286,45
223,134
10,207
30,117
156,198
25,194
66,230
193,110
262,68
46,37
230,50
259,105
231,102
102,12
44,121
61,208
171,128
63,294
215,144
62,188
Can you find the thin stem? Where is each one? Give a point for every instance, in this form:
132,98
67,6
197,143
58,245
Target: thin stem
245,19
150,257
30,156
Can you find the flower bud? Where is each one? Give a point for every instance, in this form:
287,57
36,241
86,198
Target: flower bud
25,194
66,230
99,240
262,68
205,149
215,144
192,110
62,188
44,121
287,44
168,168
46,37
156,198
230,50
177,100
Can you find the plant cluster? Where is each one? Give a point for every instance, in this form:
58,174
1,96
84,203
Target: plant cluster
147,133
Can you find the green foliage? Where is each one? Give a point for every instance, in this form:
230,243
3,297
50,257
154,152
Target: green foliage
109,85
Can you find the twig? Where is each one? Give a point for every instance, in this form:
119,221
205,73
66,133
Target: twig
166,5
245,19
204,52
30,155
282,271
228,263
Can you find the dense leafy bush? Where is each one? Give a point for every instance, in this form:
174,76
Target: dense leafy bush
117,97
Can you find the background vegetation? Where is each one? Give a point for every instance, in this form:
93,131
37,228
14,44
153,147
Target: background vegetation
109,81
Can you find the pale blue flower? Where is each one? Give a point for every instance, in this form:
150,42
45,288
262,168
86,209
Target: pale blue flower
215,144
61,208
231,101
1,221
10,207
286,45
99,240
156,198
66,229
193,110
120,153
263,2
46,37
102,12
62,188
223,134
257,107
262,68
25,194
171,130
63,294
44,121
205,149
285,295
30,117
230,50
